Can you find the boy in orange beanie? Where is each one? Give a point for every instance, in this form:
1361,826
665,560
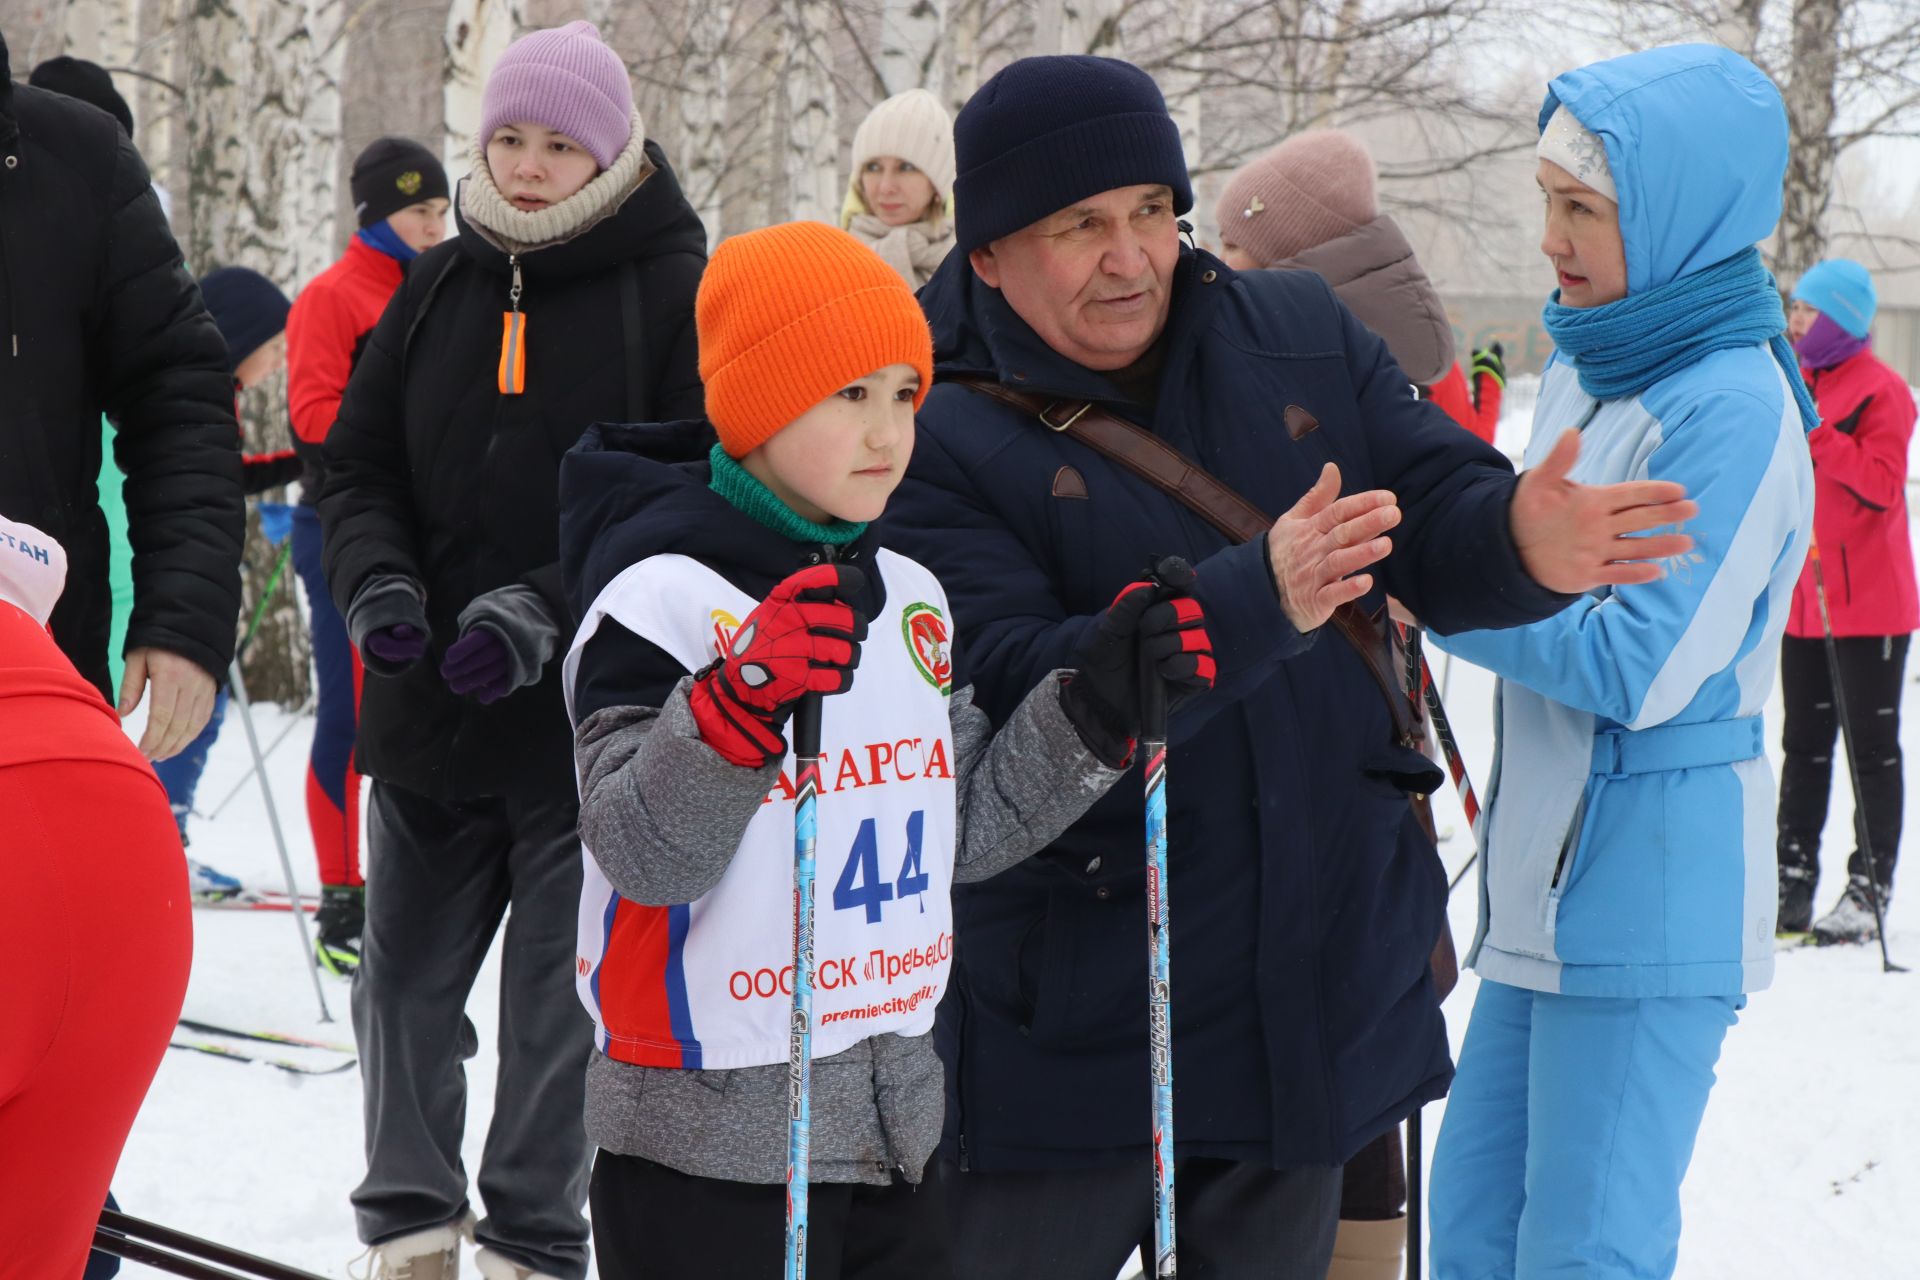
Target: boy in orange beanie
718,584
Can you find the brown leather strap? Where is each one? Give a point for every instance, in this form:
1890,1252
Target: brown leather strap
1167,469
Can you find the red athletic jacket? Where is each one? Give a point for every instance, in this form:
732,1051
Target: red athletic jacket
1860,503
330,319
1477,410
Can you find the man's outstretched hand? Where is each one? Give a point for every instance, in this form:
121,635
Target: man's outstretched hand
1574,537
1321,540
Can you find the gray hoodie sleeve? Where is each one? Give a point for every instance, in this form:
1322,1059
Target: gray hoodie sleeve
661,811
1020,788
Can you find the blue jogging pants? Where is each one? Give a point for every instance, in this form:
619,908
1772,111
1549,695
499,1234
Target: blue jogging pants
1568,1132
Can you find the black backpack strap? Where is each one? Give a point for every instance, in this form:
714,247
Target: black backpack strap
633,334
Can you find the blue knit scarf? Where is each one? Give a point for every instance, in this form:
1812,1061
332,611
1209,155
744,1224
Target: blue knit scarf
383,237
1624,347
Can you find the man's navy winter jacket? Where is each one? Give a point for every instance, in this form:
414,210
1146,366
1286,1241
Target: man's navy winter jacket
1304,1020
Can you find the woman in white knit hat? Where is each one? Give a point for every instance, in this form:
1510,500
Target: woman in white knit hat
898,196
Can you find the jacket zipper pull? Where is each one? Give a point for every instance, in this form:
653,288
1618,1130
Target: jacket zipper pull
513,339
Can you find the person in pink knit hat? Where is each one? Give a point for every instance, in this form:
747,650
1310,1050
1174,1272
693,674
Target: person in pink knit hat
1309,204
566,299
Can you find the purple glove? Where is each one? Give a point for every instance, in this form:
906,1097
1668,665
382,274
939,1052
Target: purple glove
399,646
479,666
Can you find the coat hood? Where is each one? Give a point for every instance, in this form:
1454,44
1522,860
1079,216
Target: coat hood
632,491
1374,272
653,222
1696,138
628,492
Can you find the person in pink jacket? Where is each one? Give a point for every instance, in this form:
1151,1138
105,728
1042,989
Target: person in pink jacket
1866,555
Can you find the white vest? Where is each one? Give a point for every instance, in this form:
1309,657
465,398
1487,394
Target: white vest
710,984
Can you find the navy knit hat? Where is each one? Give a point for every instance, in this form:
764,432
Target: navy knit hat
249,309
87,81
1048,131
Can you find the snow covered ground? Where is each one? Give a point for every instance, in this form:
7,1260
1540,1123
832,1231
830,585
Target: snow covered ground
1808,1165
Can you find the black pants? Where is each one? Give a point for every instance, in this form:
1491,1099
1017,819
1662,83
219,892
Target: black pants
1234,1221
655,1223
1871,672
439,879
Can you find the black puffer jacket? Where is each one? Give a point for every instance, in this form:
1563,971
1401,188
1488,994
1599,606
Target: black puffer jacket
102,317
434,474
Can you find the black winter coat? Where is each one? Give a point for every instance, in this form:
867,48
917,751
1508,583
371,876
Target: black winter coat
1303,910
102,317
432,473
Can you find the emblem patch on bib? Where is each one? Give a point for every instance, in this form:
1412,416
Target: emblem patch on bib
724,625
927,640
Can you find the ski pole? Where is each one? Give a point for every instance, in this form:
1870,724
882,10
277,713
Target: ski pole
121,1235
1153,752
1416,1194
239,685
1449,747
806,760
1853,766
293,723
266,598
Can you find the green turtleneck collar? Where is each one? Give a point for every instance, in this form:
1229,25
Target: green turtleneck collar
745,492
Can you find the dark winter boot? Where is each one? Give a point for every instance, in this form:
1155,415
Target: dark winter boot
1851,919
1796,900
338,926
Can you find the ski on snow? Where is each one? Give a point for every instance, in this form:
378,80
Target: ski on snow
256,900
248,1059
268,1037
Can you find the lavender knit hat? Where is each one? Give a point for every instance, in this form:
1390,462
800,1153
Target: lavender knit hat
567,79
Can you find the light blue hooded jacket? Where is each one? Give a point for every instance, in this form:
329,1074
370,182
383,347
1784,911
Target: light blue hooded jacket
1629,833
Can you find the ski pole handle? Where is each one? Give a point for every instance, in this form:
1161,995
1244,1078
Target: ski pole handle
1175,574
806,728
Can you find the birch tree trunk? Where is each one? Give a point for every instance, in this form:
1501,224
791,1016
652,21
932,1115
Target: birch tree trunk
1183,81
961,51
102,31
264,148
1811,149
703,110
478,32
1079,26
812,149
910,35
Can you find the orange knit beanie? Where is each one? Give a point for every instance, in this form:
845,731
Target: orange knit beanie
787,316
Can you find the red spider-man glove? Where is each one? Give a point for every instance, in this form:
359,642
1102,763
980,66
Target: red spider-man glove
1161,619
803,638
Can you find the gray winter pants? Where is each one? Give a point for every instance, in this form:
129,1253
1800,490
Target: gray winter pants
439,878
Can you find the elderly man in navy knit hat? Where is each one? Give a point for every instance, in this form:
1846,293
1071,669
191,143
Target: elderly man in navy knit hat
1305,900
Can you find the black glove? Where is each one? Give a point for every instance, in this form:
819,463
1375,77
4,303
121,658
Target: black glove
1159,617
1492,361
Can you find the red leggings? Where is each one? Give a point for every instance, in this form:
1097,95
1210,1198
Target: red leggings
100,937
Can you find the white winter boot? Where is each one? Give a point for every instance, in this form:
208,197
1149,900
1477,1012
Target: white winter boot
497,1266
433,1254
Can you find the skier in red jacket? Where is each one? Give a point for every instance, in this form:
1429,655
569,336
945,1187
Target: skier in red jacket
400,199
1866,554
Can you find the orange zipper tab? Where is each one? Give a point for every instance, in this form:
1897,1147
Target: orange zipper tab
513,341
